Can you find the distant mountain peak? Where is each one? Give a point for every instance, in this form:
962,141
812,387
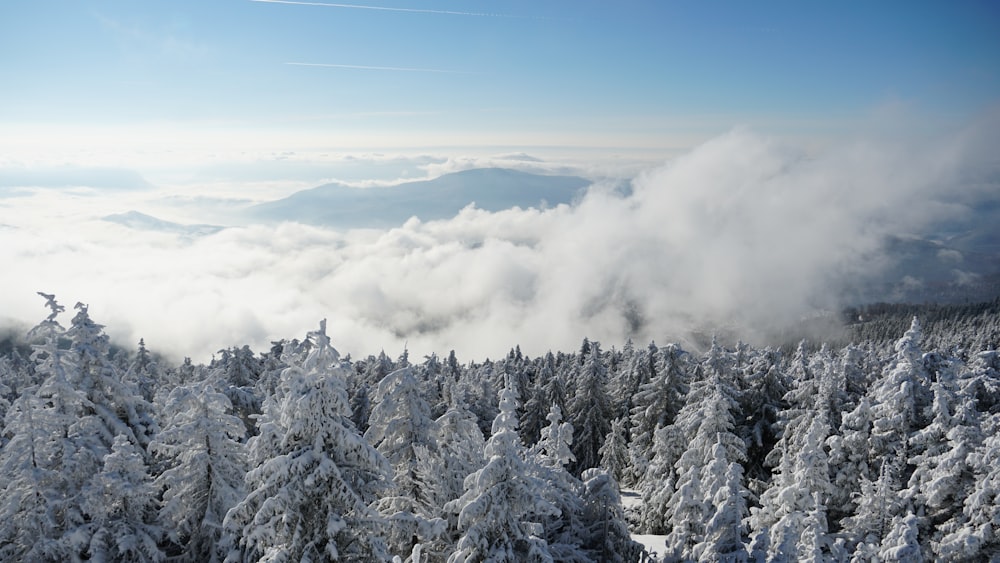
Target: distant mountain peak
142,222
491,189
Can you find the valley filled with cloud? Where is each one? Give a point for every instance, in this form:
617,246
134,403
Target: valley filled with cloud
745,233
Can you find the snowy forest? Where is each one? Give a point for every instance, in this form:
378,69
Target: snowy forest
884,447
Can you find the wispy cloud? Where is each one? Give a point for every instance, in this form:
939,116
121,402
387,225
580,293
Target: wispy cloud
390,9
387,68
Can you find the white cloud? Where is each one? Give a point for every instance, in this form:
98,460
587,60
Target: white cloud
741,231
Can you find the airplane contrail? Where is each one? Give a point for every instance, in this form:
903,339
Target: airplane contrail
367,67
387,8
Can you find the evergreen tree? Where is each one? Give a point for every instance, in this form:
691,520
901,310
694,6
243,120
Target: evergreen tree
706,423
727,510
942,476
112,406
614,452
801,484
976,537
31,522
657,485
762,401
313,476
849,459
547,462
590,411
901,544
501,500
441,472
657,401
399,422
121,505
607,538
536,406
201,449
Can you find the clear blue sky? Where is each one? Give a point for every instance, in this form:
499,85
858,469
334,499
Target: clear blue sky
521,71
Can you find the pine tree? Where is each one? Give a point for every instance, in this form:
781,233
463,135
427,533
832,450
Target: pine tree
121,504
77,415
723,488
205,464
657,401
547,462
762,401
399,422
849,459
313,476
901,542
657,485
614,452
942,476
501,501
801,484
30,522
977,535
899,397
590,411
607,538
706,423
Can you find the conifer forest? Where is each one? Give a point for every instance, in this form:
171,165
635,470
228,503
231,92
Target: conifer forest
879,445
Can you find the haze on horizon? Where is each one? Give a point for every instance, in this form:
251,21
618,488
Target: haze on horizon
772,147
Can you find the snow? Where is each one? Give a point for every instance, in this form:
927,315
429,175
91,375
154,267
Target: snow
631,499
655,546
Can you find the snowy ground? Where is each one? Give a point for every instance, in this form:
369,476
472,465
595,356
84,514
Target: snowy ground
655,545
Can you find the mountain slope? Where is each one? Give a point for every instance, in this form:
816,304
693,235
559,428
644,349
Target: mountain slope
492,189
142,222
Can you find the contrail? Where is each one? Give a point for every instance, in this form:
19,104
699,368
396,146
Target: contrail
366,67
387,8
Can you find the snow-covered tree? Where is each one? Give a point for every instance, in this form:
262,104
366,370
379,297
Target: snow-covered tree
977,535
849,459
657,485
706,423
801,484
441,473
657,401
606,534
761,401
201,449
400,422
590,411
942,476
459,453
500,506
313,476
547,462
901,544
614,452
899,397
31,522
115,407
121,506
722,483
70,425
536,406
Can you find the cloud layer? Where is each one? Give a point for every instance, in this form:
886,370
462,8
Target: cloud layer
741,232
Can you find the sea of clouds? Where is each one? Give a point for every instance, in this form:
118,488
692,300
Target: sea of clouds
744,233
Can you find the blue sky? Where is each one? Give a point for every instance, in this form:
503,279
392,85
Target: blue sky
772,145
504,72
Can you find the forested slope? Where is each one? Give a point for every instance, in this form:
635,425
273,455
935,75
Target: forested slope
884,449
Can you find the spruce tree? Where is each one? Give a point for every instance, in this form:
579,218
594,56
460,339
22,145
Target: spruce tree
313,476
